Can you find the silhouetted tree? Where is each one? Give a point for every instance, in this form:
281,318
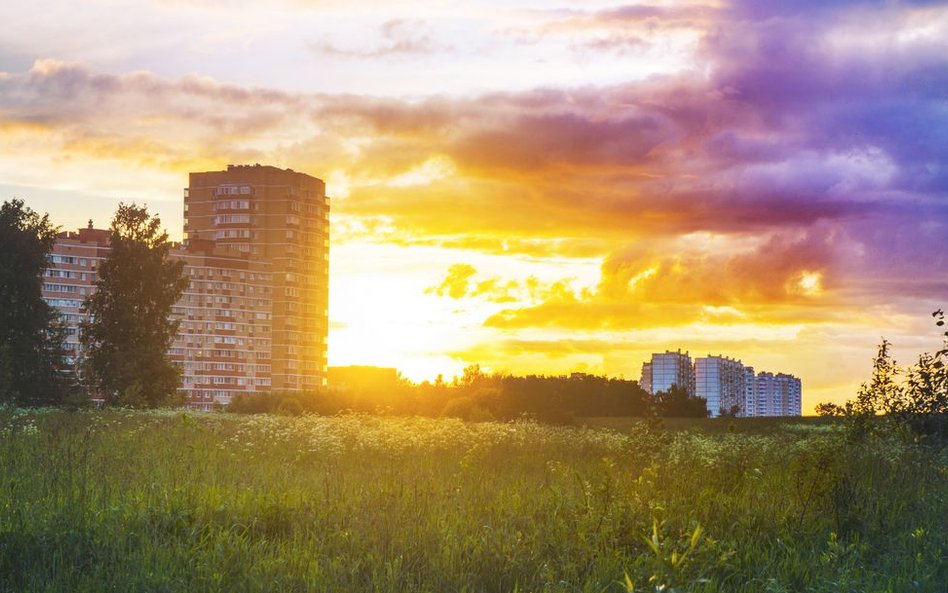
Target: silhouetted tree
677,403
127,338
31,336
830,409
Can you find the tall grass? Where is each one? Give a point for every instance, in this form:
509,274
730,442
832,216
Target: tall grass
167,501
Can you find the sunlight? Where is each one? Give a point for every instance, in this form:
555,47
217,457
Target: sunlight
433,169
810,283
643,275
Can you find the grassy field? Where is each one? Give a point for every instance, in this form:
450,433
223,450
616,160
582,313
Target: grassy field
169,501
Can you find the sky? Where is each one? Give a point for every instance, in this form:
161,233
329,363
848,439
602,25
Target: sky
535,187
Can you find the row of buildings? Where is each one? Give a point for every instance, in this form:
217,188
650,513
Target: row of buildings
729,386
255,315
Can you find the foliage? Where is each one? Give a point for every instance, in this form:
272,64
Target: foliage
474,396
887,402
829,409
126,342
287,403
678,403
119,500
31,337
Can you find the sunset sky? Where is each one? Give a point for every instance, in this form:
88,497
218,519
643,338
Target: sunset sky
538,187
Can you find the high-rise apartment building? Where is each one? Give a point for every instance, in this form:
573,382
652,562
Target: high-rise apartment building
255,315
281,217
667,369
721,382
778,395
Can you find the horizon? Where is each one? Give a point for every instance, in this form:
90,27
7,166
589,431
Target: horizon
534,189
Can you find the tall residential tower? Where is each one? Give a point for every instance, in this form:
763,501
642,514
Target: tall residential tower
281,217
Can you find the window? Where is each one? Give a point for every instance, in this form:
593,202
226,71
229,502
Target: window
232,234
63,303
232,219
61,288
232,205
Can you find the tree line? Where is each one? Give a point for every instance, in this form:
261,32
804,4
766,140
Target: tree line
128,330
480,396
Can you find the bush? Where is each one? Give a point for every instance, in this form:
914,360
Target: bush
466,408
918,404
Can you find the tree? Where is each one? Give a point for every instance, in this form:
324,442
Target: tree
830,410
31,336
919,402
678,403
127,337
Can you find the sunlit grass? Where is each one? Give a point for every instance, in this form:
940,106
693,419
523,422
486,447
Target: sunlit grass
167,501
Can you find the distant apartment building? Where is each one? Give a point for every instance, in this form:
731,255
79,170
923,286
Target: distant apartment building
750,392
721,381
729,386
777,395
70,278
646,381
668,369
254,317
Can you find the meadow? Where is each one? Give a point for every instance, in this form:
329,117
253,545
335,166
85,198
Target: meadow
128,501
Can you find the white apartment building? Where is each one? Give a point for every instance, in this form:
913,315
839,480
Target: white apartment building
722,382
668,369
777,395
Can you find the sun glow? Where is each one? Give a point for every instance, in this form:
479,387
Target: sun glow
532,187
431,170
811,283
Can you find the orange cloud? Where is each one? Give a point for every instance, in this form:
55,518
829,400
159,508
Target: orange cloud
786,279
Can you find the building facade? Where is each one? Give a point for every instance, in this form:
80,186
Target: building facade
280,216
646,381
778,395
721,382
668,369
70,279
223,345
750,392
255,315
